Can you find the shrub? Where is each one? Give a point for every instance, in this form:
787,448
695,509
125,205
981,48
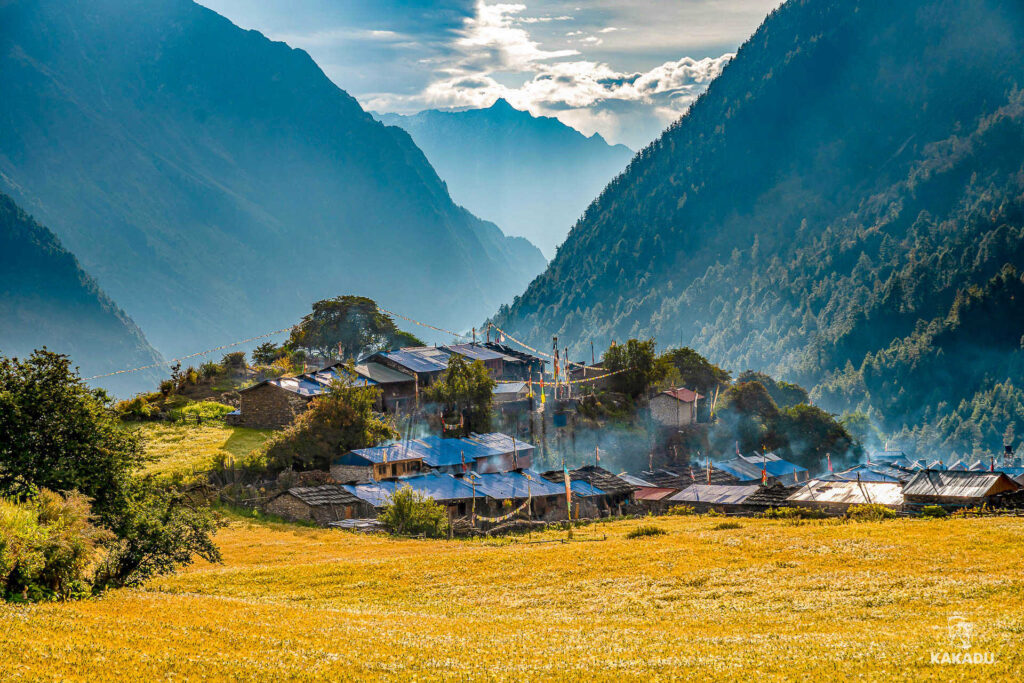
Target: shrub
137,408
202,411
234,361
869,512
794,513
209,369
646,530
682,510
727,525
934,511
47,547
411,513
166,387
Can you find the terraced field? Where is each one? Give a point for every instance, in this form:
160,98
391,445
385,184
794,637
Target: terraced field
771,599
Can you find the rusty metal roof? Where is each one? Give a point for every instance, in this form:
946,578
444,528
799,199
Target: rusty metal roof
654,493
683,394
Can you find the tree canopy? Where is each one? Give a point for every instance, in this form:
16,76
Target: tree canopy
465,388
352,323
636,365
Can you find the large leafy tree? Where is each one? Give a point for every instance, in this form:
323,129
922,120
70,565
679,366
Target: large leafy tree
696,371
339,421
635,364
57,433
785,394
353,323
465,388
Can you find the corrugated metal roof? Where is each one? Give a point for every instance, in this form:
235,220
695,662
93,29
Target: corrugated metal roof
739,468
850,492
718,495
474,351
328,494
868,472
439,487
951,484
636,481
415,360
382,374
503,485
441,452
510,388
582,488
959,466
328,376
653,493
299,385
502,443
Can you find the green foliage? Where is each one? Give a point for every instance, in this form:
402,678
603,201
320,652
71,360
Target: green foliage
234,361
785,394
726,525
353,323
267,352
48,546
157,530
795,512
870,512
337,422
636,361
682,510
695,371
465,388
137,408
56,433
934,512
410,513
645,530
202,411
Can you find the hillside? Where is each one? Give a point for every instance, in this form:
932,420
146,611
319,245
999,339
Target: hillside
850,183
215,182
46,299
532,175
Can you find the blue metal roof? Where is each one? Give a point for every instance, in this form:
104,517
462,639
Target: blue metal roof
503,485
299,385
866,472
439,487
780,467
474,351
327,376
583,488
501,443
435,451
417,361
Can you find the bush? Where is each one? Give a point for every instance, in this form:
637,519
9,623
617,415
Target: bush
727,525
934,511
682,510
646,530
137,408
411,513
202,411
794,513
48,547
234,361
209,370
870,512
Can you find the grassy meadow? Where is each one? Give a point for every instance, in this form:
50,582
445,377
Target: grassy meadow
182,448
772,599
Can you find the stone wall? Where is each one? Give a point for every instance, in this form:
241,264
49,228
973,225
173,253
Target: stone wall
269,406
360,474
291,508
669,412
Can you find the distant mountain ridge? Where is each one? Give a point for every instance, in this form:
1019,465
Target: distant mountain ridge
46,299
532,175
842,207
215,182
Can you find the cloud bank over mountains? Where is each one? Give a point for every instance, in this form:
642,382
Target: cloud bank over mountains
624,70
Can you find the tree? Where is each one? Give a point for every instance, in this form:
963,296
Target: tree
785,394
747,415
58,433
810,433
339,421
635,363
696,371
411,512
467,389
266,353
353,323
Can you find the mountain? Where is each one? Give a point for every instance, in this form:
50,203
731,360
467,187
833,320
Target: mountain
532,175
829,211
46,299
215,183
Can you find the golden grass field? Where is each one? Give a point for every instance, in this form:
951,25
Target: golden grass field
186,448
768,601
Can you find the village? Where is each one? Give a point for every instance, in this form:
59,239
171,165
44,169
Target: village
532,474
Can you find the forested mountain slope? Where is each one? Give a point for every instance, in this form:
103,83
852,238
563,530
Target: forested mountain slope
215,182
532,175
846,191
46,299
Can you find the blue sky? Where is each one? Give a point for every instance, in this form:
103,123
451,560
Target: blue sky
622,68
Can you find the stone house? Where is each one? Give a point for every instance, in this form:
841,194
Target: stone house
275,403
318,504
675,408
